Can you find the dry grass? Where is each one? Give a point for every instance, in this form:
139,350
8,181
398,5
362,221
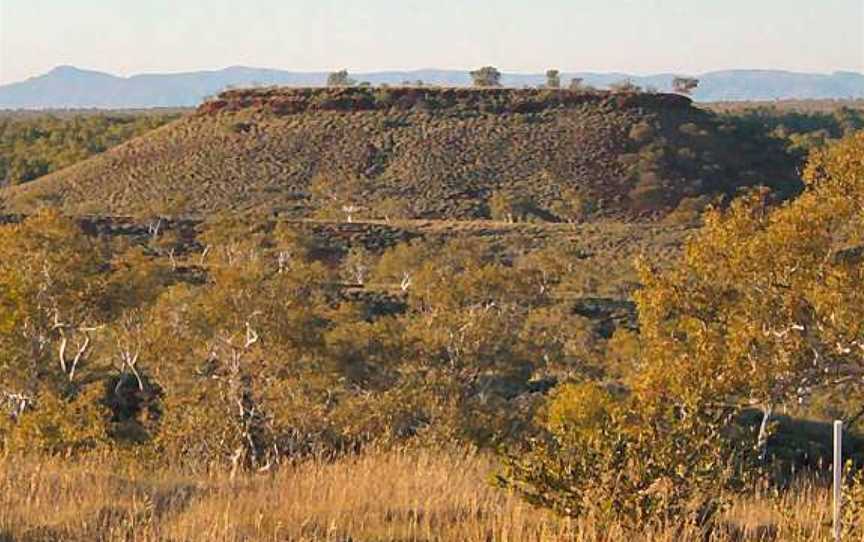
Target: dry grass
387,496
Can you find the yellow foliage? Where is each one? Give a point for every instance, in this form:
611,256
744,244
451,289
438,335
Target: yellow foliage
581,408
59,426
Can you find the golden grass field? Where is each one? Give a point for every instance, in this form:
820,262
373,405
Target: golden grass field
405,495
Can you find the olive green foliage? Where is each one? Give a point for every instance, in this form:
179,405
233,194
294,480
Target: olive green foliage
340,79
62,366
247,344
553,79
33,146
487,76
508,206
339,198
575,206
623,461
256,349
659,161
800,130
764,301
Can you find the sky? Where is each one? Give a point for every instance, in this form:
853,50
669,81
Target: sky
126,37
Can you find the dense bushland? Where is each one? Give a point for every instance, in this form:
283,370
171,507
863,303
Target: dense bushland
764,310
243,350
35,145
258,350
802,131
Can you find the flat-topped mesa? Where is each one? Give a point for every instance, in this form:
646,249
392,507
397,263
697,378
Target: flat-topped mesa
288,101
457,154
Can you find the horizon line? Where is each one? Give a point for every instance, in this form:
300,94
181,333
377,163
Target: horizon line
415,70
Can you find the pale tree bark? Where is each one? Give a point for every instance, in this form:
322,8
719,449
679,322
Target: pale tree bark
79,334
406,282
128,350
153,228
17,403
243,406
349,211
762,440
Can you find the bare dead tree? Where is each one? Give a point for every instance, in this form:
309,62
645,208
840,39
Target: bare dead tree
203,256
171,256
358,271
762,439
82,337
406,281
154,227
16,403
349,211
128,351
244,410
283,260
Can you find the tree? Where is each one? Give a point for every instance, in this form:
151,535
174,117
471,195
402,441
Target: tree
765,303
553,79
574,205
463,324
577,83
627,461
502,206
61,293
684,85
487,76
357,266
764,309
231,354
340,79
338,197
33,146
509,205
624,87
393,208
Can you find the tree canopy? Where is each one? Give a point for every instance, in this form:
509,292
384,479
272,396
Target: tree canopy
765,308
34,146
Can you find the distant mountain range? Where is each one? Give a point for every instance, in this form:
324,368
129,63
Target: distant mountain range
70,87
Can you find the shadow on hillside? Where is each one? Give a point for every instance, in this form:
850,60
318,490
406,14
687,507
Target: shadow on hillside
799,444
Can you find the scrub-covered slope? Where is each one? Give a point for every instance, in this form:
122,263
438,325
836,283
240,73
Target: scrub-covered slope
418,152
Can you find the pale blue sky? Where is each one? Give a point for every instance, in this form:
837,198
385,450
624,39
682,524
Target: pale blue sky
639,36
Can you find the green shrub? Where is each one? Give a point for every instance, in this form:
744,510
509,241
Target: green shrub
621,461
59,426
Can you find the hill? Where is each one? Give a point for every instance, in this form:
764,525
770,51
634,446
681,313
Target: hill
70,87
420,153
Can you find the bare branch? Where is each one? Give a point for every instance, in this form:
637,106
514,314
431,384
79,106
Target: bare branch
251,336
406,281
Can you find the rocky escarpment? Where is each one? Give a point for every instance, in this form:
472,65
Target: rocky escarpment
292,101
